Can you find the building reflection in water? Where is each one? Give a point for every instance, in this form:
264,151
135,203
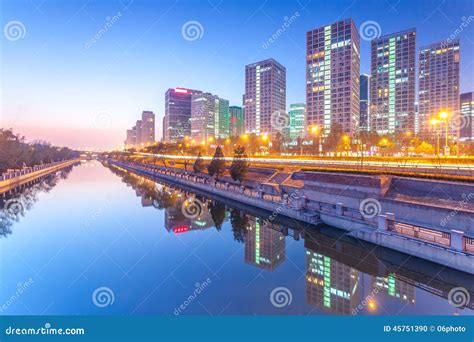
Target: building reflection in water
264,245
331,285
340,273
393,287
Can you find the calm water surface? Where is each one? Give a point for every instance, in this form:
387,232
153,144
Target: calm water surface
95,227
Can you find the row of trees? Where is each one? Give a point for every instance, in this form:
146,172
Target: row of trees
217,166
17,153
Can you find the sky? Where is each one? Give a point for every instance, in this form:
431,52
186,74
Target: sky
80,72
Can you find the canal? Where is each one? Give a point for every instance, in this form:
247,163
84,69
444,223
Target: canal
96,239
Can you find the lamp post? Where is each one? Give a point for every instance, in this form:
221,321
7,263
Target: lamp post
435,122
443,116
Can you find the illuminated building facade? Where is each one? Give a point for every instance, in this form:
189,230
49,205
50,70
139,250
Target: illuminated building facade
176,124
332,76
439,87
394,287
392,95
236,122
466,132
143,132
265,94
264,246
364,106
331,285
297,116
209,117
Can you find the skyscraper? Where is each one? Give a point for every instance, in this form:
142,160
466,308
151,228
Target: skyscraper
392,95
265,95
439,86
177,113
332,76
209,117
222,120
148,127
296,129
138,132
467,117
364,107
236,121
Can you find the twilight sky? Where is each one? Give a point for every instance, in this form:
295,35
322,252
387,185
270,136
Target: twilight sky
60,84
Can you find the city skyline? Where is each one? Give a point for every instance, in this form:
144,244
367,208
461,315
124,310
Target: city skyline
103,112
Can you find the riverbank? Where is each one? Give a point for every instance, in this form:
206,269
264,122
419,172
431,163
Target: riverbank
315,198
18,178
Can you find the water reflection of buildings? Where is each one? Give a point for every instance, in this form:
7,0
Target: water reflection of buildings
176,221
331,285
393,287
264,246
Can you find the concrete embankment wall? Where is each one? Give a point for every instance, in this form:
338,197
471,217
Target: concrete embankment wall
359,229
11,183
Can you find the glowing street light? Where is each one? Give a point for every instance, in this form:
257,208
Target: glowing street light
443,116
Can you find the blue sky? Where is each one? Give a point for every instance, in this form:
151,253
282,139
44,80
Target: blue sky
58,85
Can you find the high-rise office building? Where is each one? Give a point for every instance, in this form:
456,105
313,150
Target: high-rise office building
148,127
332,76
138,130
392,94
265,96
209,117
297,117
131,139
439,87
466,121
364,106
177,113
222,119
236,122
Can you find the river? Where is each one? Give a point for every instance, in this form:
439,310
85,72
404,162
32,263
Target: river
96,239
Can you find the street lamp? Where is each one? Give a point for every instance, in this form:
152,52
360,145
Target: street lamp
315,133
434,122
443,116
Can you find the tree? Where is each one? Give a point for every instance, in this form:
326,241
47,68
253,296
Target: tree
332,141
425,148
217,165
239,224
217,211
240,165
198,166
277,143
